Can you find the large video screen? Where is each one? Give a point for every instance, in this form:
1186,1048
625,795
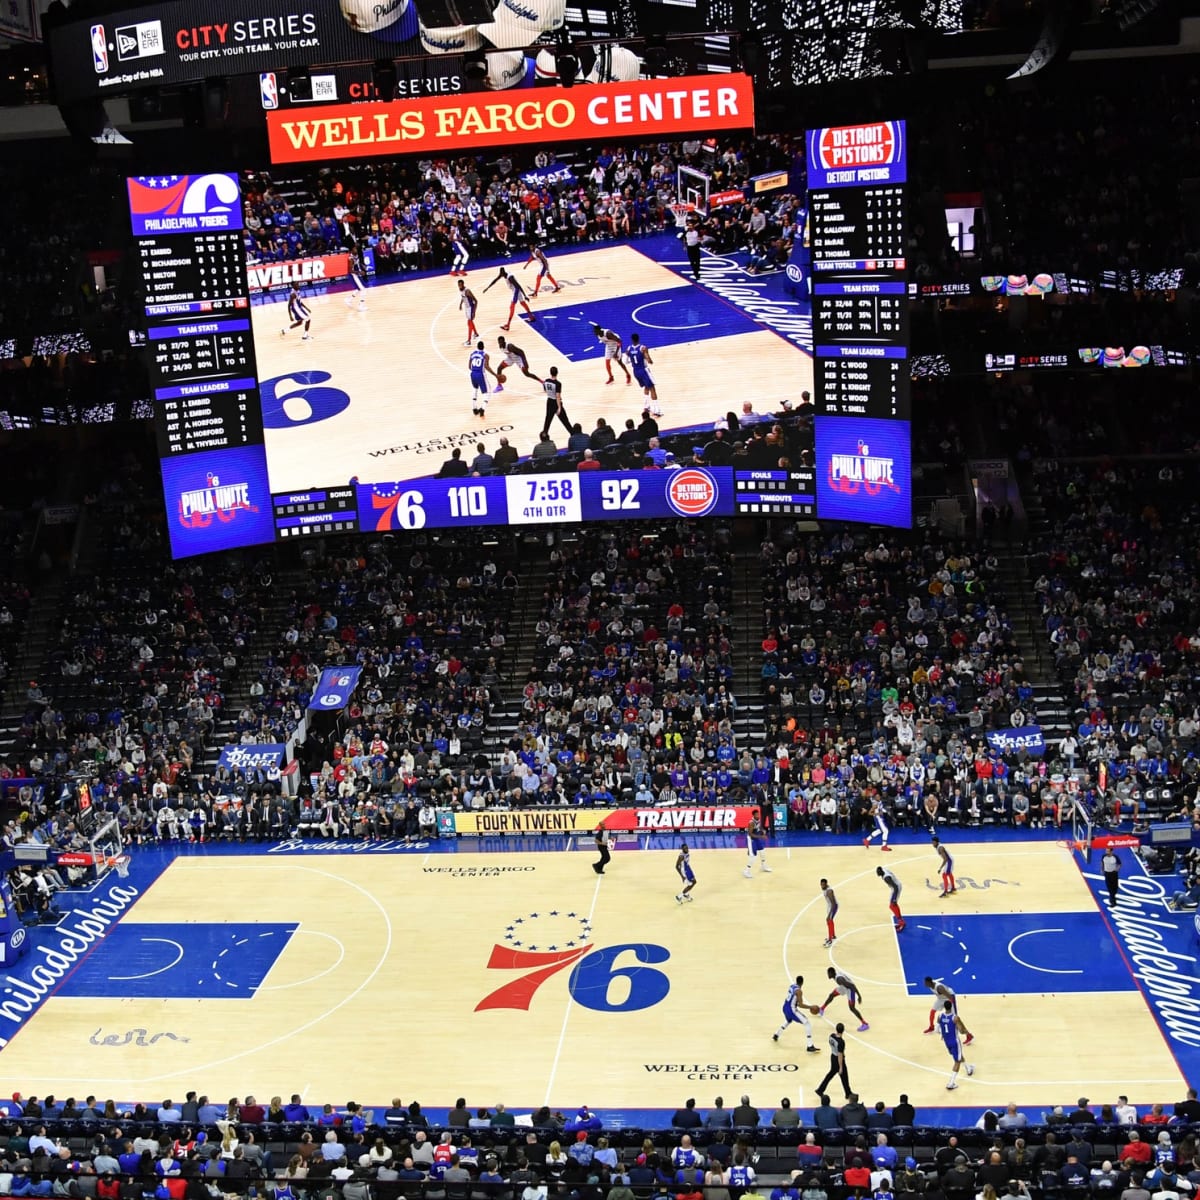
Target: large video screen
560,357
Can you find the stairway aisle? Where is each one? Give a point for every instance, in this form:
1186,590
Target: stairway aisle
750,729
40,633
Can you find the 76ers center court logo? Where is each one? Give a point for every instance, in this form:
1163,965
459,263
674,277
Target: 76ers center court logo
615,979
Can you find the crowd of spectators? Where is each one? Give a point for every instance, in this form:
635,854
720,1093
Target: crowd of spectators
409,213
630,695
197,1150
885,661
1116,581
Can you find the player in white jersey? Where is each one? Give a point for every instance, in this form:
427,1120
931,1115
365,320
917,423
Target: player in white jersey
843,985
889,877
950,1025
881,830
756,845
298,313
468,304
538,255
613,351
944,994
458,245
517,296
796,1012
514,356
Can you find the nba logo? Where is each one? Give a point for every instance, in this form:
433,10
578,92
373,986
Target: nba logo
269,89
99,49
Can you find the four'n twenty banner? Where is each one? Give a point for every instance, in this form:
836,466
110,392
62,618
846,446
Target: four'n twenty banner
455,124
335,688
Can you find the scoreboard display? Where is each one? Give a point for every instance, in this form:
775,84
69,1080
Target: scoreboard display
857,204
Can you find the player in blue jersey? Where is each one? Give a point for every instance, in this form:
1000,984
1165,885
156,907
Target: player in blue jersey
298,313
458,245
538,255
356,277
479,368
468,305
950,1025
795,1012
639,359
756,842
889,878
516,296
683,868
843,985
881,829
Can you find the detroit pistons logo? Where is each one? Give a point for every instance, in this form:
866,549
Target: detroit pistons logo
692,493
843,147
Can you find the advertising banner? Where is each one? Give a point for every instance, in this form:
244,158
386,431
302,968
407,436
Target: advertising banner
246,757
191,40
684,819
461,124
1012,741
533,820
335,688
266,277
217,500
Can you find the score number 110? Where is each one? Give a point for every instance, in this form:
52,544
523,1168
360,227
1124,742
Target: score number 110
530,500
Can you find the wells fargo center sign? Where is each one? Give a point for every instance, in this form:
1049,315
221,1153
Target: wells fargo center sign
455,124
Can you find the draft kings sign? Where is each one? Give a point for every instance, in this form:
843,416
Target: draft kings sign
453,124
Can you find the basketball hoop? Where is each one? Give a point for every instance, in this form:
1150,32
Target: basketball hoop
120,864
681,212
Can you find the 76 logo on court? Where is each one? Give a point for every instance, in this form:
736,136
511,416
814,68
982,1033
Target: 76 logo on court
541,944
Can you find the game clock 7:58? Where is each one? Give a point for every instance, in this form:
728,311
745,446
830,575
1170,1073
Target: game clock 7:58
543,499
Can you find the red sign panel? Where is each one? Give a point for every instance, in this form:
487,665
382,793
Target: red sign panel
454,124
264,277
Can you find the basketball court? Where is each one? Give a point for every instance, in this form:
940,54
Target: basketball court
384,394
522,977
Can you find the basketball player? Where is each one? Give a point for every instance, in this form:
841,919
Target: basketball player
837,1062
517,294
892,882
458,264
950,1026
831,908
356,277
514,356
468,304
945,868
881,829
683,868
756,845
613,347
299,314
795,1012
944,994
479,367
843,986
538,255
554,401
639,357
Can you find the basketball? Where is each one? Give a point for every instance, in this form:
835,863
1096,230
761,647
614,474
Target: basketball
814,1009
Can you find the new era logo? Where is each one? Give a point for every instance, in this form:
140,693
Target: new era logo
143,40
